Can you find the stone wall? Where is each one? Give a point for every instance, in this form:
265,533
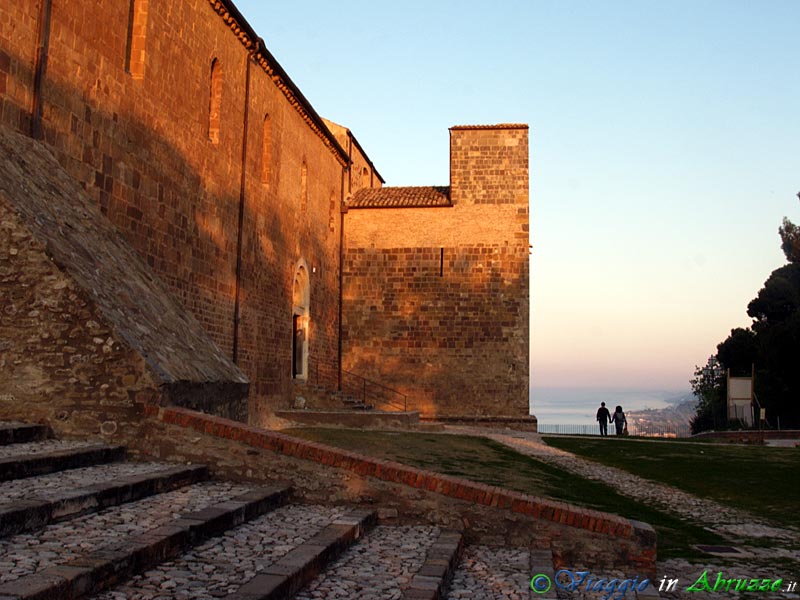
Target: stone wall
436,298
140,144
56,239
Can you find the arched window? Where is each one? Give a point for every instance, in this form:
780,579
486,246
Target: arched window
137,34
266,150
365,177
304,187
301,300
215,101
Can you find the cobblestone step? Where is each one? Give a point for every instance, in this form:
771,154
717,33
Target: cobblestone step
17,433
18,466
380,567
433,579
269,557
300,565
90,554
487,573
37,447
30,504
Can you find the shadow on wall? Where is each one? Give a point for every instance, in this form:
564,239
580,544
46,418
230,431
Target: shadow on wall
187,235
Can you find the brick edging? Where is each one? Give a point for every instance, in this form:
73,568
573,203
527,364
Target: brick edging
446,485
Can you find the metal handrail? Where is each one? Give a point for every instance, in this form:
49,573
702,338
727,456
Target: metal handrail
401,398
363,389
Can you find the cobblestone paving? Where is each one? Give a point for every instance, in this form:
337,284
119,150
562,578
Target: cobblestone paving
25,554
770,552
378,567
223,564
493,574
55,484
11,450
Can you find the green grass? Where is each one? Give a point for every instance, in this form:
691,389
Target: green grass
759,479
486,461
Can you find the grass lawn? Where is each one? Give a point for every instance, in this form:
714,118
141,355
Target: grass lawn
486,461
759,479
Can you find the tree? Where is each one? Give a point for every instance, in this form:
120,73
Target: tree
790,239
708,386
771,344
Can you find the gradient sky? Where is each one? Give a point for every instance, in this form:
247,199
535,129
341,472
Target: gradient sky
665,150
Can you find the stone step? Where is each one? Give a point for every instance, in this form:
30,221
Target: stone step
36,447
19,433
30,504
299,566
522,573
91,553
434,578
269,557
39,462
488,572
382,565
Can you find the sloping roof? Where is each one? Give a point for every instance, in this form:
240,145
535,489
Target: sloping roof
401,197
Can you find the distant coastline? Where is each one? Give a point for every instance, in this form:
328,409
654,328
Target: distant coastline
578,405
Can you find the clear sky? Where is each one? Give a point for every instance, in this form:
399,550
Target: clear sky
665,150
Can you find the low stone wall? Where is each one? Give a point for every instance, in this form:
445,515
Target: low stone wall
578,537
371,419
530,423
748,437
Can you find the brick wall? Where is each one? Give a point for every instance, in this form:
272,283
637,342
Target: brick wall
140,147
436,300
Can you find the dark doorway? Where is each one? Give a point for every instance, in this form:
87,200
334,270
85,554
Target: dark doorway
298,343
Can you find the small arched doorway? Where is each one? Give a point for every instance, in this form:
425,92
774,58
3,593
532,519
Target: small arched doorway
301,291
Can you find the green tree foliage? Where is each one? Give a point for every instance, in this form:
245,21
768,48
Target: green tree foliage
708,386
790,239
771,345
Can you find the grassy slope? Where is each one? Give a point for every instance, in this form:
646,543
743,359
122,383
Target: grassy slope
486,461
759,479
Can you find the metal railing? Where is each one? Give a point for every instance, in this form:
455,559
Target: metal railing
637,429
365,392
372,393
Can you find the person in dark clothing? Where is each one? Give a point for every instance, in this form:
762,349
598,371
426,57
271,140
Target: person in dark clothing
603,417
619,419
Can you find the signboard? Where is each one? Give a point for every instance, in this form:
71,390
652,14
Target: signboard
740,399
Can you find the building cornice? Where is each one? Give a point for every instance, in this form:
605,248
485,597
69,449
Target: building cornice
263,58
498,126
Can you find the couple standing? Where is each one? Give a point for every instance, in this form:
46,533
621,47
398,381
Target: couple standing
619,420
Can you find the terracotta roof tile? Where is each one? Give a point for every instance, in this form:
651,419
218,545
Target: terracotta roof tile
401,197
498,126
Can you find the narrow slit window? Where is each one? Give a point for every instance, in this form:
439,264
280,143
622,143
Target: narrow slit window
215,101
441,262
304,187
332,215
266,150
136,41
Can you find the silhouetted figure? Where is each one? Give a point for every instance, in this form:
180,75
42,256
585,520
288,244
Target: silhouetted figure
603,417
619,419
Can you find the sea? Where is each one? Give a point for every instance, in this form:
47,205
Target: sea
578,406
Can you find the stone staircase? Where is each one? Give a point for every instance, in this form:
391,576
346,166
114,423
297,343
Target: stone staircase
79,521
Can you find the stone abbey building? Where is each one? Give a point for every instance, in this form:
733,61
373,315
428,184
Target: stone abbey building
178,224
